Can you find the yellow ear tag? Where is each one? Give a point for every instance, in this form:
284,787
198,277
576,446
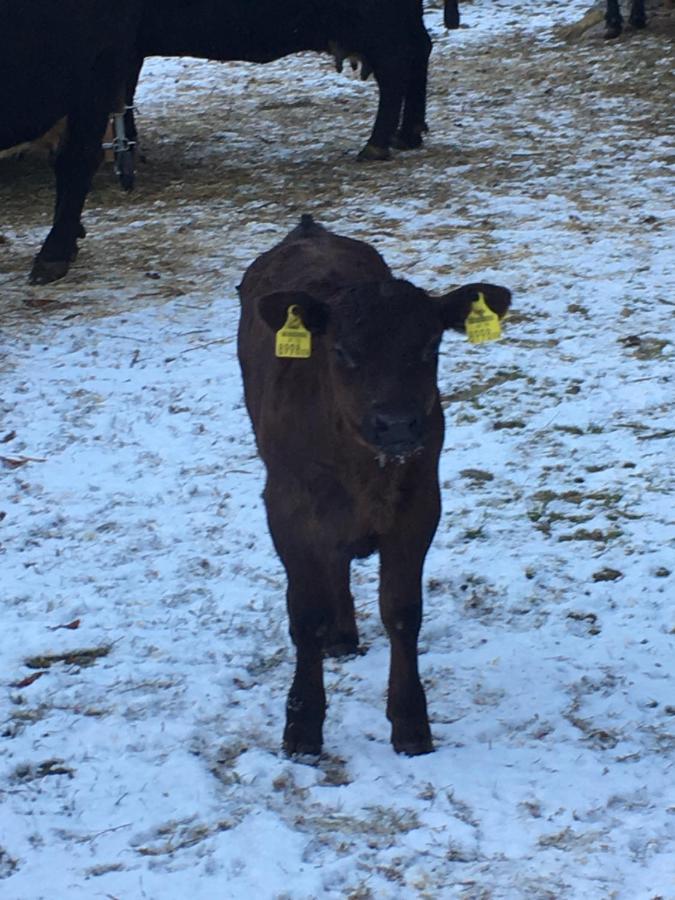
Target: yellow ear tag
482,324
293,341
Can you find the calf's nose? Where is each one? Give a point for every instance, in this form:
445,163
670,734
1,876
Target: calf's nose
396,432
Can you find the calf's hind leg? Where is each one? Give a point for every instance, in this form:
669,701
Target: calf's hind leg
342,636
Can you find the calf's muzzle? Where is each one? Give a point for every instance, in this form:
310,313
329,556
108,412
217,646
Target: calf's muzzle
395,433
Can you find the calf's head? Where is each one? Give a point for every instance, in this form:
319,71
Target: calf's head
378,344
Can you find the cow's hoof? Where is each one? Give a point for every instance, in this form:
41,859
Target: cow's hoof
407,141
371,153
45,271
81,231
638,23
613,31
411,738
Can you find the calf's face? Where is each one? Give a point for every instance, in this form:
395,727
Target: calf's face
381,343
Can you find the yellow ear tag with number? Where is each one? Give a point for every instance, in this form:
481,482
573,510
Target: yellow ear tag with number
293,341
482,324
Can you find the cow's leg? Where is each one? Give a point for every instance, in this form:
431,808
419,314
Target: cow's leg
414,109
391,75
451,14
402,555
75,166
613,19
638,18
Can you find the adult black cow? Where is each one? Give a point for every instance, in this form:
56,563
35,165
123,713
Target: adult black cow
66,55
63,58
388,37
350,436
614,19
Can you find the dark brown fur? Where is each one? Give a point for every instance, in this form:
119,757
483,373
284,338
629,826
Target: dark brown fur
351,439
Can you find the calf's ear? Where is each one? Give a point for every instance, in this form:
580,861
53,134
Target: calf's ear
455,306
273,310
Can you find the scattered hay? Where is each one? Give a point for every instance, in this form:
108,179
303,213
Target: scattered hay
103,869
8,865
380,822
477,476
607,575
83,658
595,534
180,835
591,26
475,390
28,772
577,30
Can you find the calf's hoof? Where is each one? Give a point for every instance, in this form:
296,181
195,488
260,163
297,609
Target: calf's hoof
612,31
411,737
302,739
371,153
341,646
341,639
45,271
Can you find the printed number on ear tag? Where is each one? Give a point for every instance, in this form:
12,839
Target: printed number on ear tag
482,324
293,341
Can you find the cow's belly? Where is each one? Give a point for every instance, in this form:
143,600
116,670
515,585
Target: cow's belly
243,30
27,115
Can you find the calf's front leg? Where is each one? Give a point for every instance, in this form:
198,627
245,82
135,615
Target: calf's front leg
401,611
307,613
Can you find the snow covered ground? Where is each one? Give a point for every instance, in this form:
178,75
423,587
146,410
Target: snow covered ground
137,578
